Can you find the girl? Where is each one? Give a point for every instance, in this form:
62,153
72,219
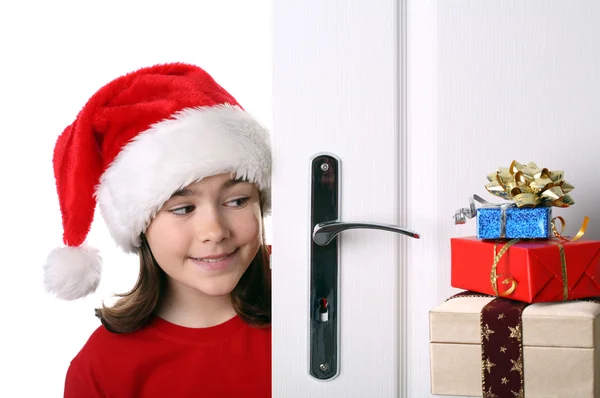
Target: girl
181,174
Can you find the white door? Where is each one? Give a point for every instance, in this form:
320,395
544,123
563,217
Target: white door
420,100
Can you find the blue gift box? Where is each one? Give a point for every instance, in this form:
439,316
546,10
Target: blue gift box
520,223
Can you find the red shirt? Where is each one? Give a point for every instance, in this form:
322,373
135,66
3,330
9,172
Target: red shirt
164,360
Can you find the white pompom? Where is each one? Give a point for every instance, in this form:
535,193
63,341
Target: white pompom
72,272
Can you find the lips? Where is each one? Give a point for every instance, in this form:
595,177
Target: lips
214,259
215,262
211,260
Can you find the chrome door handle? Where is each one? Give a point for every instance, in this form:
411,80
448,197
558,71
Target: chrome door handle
325,225
324,232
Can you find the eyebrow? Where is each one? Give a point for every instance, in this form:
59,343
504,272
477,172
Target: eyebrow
186,192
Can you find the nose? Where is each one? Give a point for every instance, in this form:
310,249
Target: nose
213,226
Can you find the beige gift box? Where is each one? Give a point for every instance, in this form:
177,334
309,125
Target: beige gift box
561,357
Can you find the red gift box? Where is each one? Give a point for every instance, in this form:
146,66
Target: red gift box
534,268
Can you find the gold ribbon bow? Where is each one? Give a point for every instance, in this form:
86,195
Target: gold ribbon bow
530,186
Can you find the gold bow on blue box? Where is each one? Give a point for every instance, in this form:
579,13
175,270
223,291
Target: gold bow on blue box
530,191
530,186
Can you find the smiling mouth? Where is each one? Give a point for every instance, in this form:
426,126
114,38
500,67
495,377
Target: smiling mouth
214,259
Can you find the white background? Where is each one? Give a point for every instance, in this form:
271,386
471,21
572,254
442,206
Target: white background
55,55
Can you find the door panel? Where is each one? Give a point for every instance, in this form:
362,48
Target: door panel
336,90
420,100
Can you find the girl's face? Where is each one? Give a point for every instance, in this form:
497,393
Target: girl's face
207,234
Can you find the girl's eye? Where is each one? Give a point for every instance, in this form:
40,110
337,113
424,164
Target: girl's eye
182,211
239,202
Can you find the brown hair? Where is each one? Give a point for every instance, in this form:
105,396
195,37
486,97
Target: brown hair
251,297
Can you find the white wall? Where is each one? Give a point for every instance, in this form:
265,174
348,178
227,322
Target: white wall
489,82
55,55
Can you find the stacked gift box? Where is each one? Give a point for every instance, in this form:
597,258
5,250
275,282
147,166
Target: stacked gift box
527,323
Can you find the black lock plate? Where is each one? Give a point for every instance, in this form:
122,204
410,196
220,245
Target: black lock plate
324,300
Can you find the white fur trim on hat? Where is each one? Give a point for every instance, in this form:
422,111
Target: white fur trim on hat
193,144
72,272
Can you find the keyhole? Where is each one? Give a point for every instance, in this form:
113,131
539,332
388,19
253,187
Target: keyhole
323,310
323,303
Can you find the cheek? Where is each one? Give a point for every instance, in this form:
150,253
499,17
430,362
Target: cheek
165,241
248,227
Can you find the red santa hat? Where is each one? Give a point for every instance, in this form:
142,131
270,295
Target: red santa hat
138,140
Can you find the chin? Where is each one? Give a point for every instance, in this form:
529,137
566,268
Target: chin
217,289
